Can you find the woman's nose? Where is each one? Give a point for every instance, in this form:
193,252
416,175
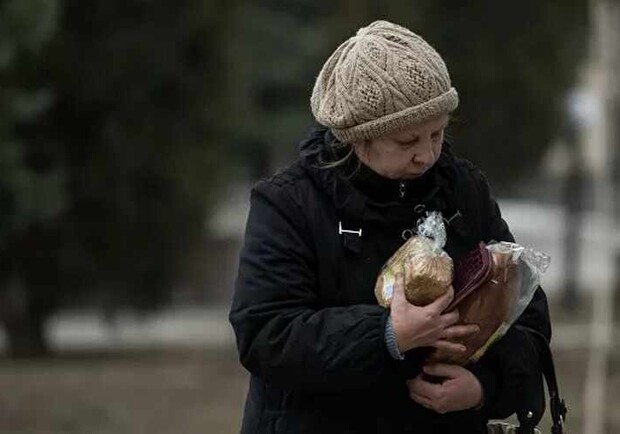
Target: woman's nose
425,154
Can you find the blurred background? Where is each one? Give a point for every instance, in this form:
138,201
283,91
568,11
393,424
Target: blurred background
131,132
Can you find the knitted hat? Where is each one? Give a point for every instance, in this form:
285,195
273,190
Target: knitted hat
383,79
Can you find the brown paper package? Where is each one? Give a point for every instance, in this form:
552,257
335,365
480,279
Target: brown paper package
488,306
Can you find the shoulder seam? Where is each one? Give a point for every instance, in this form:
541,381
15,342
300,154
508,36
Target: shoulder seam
285,176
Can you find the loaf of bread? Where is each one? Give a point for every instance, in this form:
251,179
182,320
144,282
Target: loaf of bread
427,270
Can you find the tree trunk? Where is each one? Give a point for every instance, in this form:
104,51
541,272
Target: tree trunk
23,316
26,337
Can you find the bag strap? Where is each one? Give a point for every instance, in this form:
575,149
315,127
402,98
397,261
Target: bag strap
557,406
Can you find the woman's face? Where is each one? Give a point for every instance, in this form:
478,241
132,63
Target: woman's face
405,154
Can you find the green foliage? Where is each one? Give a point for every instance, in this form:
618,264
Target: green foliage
26,195
273,51
32,194
138,86
112,141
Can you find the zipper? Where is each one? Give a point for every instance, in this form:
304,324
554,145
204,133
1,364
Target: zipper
401,189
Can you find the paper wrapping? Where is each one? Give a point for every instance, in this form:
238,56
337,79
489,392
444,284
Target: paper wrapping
490,307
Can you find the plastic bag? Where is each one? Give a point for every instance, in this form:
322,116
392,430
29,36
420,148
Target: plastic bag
426,266
497,303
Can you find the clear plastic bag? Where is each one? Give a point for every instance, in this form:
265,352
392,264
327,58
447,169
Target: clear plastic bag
491,293
499,301
426,266
531,265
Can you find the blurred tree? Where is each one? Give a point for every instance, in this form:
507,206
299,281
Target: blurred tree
31,182
139,91
128,130
274,48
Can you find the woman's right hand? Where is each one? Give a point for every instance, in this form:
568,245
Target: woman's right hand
427,326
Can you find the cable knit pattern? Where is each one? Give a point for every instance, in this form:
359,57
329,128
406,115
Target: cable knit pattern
381,80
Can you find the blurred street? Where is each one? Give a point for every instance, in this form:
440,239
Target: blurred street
180,373
128,392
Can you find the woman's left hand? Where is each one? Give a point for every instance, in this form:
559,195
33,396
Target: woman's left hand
459,390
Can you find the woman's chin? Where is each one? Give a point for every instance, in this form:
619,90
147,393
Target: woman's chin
402,176
416,174
413,175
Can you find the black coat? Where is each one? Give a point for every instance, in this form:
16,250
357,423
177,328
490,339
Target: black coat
308,327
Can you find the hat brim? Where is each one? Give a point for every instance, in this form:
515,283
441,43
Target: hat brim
444,103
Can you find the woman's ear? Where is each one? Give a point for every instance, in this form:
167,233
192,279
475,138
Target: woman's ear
360,147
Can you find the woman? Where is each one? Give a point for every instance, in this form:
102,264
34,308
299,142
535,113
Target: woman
323,356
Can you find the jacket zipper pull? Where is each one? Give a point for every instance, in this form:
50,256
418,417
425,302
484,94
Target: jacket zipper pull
402,189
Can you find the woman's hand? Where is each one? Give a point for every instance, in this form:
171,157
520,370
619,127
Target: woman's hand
445,352
426,326
460,389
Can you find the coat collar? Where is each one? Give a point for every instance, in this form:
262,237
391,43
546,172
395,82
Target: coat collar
367,196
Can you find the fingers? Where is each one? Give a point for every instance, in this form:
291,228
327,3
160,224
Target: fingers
423,401
444,370
460,331
440,304
428,395
421,387
450,318
456,391
398,296
447,347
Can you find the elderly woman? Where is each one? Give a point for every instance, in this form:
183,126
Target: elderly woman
323,356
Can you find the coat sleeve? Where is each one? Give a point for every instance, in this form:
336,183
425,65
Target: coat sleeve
283,334
510,371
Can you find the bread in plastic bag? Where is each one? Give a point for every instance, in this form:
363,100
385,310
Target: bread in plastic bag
427,268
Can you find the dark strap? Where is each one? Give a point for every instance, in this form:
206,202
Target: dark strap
557,405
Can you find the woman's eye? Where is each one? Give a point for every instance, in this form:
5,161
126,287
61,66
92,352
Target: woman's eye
436,134
409,143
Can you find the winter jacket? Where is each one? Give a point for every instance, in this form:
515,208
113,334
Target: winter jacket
307,324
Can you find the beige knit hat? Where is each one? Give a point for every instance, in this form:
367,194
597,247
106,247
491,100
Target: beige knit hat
381,80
